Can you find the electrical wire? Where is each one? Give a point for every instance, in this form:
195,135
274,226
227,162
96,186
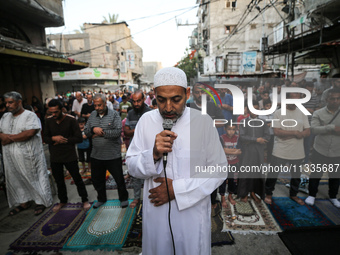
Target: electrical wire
159,14
237,31
169,220
241,20
190,8
146,17
123,38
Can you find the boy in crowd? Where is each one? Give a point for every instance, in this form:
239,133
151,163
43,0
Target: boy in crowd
84,147
229,142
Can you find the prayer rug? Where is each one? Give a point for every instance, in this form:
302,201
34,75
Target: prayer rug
312,240
85,175
260,222
105,228
218,237
328,209
111,184
134,238
290,214
52,230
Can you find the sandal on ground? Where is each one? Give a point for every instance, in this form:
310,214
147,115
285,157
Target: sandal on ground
134,203
57,207
39,209
18,209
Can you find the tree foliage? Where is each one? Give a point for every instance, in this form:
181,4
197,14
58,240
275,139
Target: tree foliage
111,18
189,64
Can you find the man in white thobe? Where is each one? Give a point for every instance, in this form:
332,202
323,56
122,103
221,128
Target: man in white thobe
78,104
192,144
24,158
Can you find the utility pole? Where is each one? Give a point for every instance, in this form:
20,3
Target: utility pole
290,37
118,67
293,34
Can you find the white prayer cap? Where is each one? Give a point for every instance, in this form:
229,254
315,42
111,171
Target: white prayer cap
170,76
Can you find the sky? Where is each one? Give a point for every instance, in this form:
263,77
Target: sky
165,43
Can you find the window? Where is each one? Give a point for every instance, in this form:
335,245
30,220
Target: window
107,47
230,4
229,29
253,26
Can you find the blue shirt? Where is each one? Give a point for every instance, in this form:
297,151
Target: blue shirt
227,99
119,99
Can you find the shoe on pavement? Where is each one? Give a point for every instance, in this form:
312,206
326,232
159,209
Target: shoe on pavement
335,202
124,204
310,200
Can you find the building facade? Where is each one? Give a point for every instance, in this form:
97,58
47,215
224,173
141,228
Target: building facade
310,36
26,63
115,59
231,35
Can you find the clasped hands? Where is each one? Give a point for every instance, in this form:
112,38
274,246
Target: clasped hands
59,139
98,131
5,139
163,144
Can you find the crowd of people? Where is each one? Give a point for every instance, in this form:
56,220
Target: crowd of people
294,139
90,127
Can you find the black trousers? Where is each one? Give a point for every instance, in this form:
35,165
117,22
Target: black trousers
58,174
295,175
333,174
98,174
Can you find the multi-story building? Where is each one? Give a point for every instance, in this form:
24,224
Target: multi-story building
150,69
25,62
114,58
230,35
311,36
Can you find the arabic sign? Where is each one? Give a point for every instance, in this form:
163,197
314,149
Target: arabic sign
88,74
249,61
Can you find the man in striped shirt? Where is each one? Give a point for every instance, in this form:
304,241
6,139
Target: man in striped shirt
104,126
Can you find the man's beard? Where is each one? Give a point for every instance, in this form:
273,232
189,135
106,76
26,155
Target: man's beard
14,111
177,115
140,109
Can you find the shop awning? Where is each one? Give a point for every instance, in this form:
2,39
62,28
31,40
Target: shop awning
18,52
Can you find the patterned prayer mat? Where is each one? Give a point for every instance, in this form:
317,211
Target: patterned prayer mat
52,230
290,214
105,228
134,238
249,217
111,184
218,237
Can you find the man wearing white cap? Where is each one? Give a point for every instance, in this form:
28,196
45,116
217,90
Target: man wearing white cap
192,145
